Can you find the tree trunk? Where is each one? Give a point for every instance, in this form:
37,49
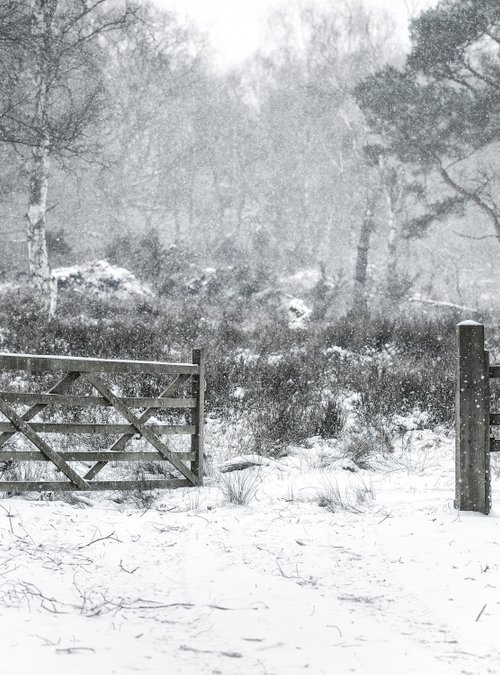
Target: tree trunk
39,267
361,271
41,29
391,277
177,222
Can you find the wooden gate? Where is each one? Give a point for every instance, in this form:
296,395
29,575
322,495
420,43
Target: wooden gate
133,411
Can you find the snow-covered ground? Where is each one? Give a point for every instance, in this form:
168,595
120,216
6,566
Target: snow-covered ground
391,581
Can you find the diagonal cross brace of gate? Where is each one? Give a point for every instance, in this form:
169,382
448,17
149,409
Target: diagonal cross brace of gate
144,430
60,388
124,440
44,447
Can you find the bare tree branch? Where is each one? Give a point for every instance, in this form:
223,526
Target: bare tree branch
470,196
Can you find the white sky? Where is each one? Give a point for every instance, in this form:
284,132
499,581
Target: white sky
236,26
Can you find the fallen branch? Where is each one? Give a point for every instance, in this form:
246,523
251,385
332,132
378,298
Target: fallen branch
72,650
94,541
480,613
126,570
9,516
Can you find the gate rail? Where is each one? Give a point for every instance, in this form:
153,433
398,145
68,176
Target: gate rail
135,423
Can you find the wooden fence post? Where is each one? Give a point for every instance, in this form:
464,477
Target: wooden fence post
198,415
472,418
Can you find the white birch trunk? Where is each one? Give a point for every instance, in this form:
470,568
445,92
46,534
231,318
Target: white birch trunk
360,301
392,243
393,187
38,258
41,275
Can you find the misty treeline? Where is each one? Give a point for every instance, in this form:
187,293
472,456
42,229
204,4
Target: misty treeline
329,149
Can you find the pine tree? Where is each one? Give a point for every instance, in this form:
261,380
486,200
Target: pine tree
440,113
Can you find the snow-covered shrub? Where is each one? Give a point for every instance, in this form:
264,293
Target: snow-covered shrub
227,280
299,314
100,278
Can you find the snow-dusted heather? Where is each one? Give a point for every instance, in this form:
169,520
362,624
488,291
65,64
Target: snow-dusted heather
383,577
239,393
369,354
102,279
246,356
341,353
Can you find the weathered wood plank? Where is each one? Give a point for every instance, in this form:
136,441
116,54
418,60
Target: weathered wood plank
107,429
144,430
25,429
197,415
78,401
59,388
34,364
90,456
472,420
54,486
486,458
123,441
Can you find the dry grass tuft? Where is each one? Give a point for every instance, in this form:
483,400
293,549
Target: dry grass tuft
240,487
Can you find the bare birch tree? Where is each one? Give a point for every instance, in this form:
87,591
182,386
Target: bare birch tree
53,100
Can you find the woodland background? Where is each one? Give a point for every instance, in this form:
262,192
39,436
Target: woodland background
331,202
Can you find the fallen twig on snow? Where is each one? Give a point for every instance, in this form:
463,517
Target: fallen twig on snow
126,570
481,612
94,541
9,516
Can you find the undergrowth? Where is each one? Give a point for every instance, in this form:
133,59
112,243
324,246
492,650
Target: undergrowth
354,498
286,384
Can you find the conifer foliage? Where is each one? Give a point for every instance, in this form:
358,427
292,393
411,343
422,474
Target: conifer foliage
440,112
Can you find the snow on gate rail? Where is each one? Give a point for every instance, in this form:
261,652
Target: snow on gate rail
90,372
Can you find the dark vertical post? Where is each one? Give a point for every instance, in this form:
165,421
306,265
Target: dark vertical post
472,418
198,414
